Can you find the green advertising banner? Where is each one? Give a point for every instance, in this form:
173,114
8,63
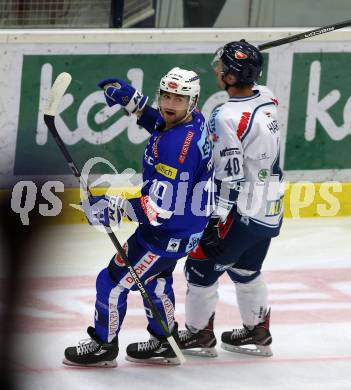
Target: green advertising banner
319,126
311,86
86,124
310,79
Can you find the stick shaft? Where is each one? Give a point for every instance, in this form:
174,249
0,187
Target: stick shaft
304,35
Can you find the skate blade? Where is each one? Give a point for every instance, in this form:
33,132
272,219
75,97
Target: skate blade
203,352
106,364
156,360
256,350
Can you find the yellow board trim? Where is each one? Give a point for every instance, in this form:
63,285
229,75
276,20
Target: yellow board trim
301,200
328,199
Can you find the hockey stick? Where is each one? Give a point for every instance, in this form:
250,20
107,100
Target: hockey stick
308,34
57,91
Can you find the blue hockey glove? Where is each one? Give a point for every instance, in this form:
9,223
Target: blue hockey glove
118,91
211,242
104,210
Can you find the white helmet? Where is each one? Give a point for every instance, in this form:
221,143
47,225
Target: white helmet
182,82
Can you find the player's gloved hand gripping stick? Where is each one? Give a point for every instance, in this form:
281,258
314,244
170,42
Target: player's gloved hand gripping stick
57,91
104,210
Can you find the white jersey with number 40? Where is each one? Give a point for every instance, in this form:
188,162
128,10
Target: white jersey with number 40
246,144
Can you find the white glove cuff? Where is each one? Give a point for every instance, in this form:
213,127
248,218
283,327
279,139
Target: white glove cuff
133,105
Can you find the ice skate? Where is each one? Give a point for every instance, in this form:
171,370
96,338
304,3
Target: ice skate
254,341
92,352
198,342
156,350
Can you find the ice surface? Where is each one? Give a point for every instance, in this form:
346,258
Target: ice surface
308,270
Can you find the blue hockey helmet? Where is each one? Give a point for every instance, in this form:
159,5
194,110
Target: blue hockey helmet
241,59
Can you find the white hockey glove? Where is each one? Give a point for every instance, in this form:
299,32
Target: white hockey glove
104,210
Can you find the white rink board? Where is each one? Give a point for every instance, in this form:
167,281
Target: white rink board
14,44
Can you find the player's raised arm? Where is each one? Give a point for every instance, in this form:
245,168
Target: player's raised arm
117,91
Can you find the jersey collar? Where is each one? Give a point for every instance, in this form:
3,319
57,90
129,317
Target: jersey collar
246,98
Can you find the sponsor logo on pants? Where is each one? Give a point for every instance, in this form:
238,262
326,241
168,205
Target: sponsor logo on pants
141,267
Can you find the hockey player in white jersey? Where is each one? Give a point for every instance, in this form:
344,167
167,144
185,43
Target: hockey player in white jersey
249,208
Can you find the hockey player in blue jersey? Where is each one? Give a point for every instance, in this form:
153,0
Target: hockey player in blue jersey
172,212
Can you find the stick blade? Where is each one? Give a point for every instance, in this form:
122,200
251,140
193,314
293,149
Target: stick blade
59,88
176,350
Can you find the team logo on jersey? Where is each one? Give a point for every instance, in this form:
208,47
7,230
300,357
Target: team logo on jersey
172,85
263,174
239,55
244,121
166,170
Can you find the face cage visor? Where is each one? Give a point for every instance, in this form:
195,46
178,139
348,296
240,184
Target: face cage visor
216,58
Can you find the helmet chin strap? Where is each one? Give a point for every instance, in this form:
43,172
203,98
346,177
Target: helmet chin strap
188,113
193,104
183,119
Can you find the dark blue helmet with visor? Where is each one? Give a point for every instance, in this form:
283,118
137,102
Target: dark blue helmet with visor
241,59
